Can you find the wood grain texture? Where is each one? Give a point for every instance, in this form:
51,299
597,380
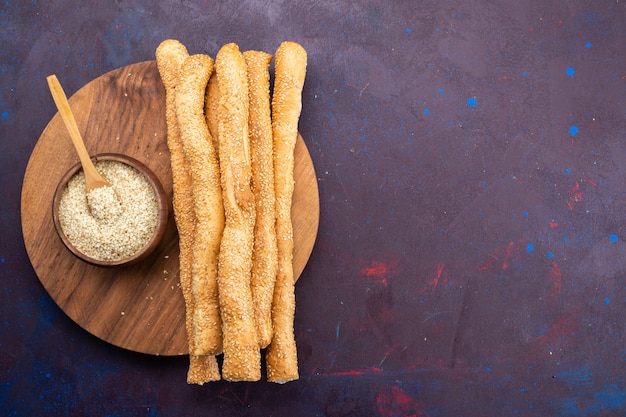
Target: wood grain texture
140,307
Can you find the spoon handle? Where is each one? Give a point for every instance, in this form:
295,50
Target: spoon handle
60,99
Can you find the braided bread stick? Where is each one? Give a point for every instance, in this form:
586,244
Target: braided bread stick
207,199
290,71
265,254
242,357
170,55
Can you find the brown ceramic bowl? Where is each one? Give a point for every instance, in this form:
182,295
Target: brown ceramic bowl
162,204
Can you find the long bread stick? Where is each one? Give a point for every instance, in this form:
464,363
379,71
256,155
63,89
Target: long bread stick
207,199
265,254
290,71
242,357
170,55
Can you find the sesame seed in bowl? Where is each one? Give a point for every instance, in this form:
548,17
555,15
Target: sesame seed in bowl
111,226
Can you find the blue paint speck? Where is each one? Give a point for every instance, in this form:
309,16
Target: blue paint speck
471,102
607,301
2,260
362,137
614,238
524,74
408,30
526,213
588,45
426,111
5,114
570,71
612,399
550,255
568,170
573,130
564,240
441,91
530,247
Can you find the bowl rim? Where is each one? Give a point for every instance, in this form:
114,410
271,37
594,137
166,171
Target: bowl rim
162,207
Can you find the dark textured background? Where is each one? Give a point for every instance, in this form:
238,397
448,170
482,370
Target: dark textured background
471,158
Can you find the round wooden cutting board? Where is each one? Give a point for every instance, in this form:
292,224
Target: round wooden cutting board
140,307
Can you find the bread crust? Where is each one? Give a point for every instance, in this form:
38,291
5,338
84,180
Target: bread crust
170,56
211,103
290,71
204,168
265,253
242,358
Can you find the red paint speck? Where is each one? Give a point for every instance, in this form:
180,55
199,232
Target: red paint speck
554,225
575,195
559,332
509,249
394,402
501,257
575,188
358,372
485,266
556,280
592,182
440,267
378,271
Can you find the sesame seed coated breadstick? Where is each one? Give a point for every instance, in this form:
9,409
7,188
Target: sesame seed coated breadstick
170,56
203,165
242,357
265,254
211,102
290,71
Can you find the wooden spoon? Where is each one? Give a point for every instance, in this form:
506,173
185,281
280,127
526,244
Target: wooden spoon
93,179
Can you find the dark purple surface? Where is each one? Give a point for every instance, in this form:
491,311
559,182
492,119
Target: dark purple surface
471,159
